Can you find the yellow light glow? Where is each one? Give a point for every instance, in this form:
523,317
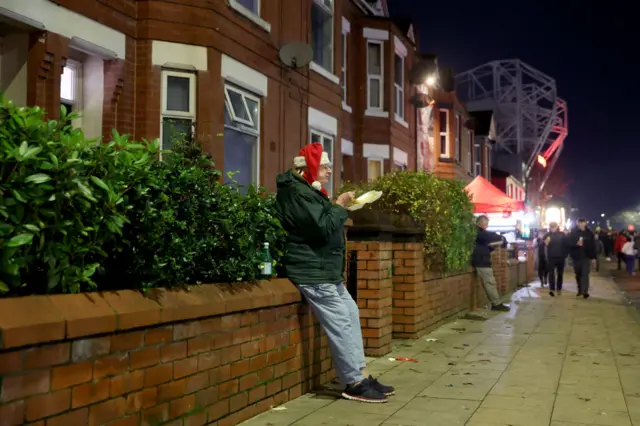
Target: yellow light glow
553,214
431,80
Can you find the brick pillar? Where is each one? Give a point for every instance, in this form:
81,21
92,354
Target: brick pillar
113,87
48,53
500,269
409,301
374,294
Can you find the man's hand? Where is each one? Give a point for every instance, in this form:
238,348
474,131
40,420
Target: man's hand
346,199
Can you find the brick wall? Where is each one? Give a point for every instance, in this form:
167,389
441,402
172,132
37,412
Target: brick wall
374,294
89,366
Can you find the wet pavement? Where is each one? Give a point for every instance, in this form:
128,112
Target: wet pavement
550,361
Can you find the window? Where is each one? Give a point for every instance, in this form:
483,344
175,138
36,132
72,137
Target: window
178,106
322,33
375,72
510,194
400,166
250,9
477,156
470,152
241,136
327,142
345,48
375,168
458,138
487,161
71,87
399,86
444,133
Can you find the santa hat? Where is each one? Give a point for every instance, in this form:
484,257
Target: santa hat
312,157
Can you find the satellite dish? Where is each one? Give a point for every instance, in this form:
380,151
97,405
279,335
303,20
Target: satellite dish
296,55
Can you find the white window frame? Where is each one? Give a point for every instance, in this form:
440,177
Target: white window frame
254,129
399,89
346,30
371,110
322,136
444,132
253,16
319,69
166,113
76,91
470,151
375,160
458,140
487,161
477,171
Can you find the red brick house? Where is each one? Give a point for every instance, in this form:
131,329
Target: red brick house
150,67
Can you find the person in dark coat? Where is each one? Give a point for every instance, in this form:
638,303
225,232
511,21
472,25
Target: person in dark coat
486,242
541,256
314,262
556,248
582,249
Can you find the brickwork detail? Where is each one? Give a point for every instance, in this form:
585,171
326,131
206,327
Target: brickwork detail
374,295
222,370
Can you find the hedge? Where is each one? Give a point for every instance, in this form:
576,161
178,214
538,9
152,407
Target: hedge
82,215
441,206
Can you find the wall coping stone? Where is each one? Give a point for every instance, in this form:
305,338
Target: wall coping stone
32,320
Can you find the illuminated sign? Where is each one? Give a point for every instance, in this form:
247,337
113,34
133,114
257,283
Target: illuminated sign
542,161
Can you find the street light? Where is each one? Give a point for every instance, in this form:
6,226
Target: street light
602,215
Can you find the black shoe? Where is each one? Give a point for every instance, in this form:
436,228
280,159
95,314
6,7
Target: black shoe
383,389
552,294
586,295
364,392
501,308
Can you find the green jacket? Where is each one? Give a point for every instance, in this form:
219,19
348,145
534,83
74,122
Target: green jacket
315,232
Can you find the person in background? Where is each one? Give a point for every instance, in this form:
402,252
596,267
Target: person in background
636,245
582,249
486,242
605,237
617,248
541,258
557,252
630,252
314,262
599,251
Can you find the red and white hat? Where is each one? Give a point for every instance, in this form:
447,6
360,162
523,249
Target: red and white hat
312,157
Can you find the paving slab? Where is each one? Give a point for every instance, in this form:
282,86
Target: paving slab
561,361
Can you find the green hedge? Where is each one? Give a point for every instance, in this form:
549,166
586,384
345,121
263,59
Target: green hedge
441,206
79,215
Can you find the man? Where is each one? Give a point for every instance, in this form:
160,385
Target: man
486,242
556,255
315,264
582,249
617,247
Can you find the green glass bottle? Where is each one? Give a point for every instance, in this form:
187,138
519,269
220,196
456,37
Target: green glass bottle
266,263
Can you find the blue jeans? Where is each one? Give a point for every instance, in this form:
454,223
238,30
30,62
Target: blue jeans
339,316
631,263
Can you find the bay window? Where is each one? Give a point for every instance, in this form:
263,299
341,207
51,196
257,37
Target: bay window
178,106
444,133
375,75
322,34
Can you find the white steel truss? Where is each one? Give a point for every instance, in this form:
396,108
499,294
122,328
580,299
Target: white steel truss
529,117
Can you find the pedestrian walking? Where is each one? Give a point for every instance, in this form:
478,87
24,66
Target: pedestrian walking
599,251
541,258
617,248
315,261
486,242
636,245
630,252
556,247
582,250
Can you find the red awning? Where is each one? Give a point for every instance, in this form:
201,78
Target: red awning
489,199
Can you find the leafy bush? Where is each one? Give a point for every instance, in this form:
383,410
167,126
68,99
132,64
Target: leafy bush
187,228
441,206
79,215
62,199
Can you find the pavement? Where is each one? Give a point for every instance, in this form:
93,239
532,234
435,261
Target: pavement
550,361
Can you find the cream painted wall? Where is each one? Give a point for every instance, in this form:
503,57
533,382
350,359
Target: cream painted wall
93,97
13,67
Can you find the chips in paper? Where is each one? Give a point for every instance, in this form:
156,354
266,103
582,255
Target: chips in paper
367,198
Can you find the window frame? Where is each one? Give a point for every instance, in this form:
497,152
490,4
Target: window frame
470,151
346,31
245,95
375,160
458,139
254,129
477,171
253,16
378,77
328,73
77,92
398,89
445,133
487,162
192,94
322,136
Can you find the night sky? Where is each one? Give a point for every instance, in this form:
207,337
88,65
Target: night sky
592,52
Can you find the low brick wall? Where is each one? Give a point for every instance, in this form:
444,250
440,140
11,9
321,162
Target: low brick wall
218,353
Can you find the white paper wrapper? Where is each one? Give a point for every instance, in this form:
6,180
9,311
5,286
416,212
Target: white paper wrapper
367,198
